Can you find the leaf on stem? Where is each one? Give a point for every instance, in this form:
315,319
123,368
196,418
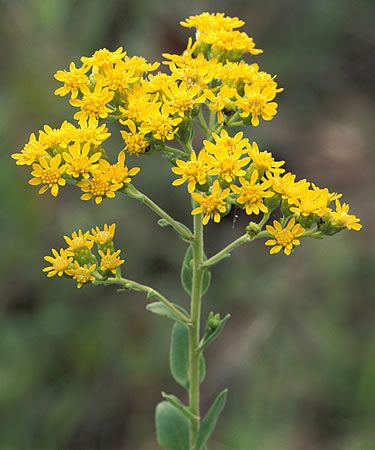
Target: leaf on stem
162,310
214,326
209,422
179,356
172,427
175,401
187,273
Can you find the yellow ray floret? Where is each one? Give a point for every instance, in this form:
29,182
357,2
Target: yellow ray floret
263,161
211,205
31,152
257,102
284,238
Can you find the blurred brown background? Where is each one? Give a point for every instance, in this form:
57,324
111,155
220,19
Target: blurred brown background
83,369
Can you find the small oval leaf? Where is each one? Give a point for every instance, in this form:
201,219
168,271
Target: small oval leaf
172,427
187,274
161,310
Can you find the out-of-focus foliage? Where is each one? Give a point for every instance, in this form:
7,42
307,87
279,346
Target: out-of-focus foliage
82,370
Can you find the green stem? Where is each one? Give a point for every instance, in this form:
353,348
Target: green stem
149,291
174,151
180,229
225,252
194,330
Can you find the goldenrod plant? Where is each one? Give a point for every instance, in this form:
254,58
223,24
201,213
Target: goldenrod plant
187,114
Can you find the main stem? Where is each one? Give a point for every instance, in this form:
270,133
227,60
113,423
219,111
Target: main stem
194,329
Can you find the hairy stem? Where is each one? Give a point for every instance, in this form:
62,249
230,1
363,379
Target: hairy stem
180,229
149,291
194,329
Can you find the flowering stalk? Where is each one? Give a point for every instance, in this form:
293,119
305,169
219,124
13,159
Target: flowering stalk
211,86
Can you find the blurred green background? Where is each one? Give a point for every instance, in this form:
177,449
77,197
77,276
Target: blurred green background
83,369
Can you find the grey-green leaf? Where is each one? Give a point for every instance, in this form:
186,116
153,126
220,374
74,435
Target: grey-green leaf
179,356
176,402
172,427
161,310
209,422
187,274
214,326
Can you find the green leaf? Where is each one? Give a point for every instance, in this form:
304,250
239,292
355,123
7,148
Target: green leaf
162,310
187,274
175,401
209,422
172,427
163,223
179,356
214,326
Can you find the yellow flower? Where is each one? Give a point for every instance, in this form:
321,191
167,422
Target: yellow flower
231,144
220,99
82,274
190,69
161,125
60,262
31,152
139,105
89,132
288,187
235,74
49,173
139,65
93,104
105,236
312,201
79,163
98,187
118,173
79,241
181,98
284,238
193,171
73,80
228,44
103,58
57,137
212,21
116,78
252,194
136,142
110,261
264,161
257,102
211,205
226,165
158,82
342,219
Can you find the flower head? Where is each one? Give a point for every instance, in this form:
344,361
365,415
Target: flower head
79,162
264,162
211,205
79,241
73,80
110,260
257,102
192,171
48,172
31,152
251,194
93,104
91,133
98,187
103,58
284,238
227,165
343,219
135,141
118,173
82,274
104,236
60,262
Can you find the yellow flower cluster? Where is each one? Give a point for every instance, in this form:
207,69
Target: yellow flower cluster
231,171
80,263
209,85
